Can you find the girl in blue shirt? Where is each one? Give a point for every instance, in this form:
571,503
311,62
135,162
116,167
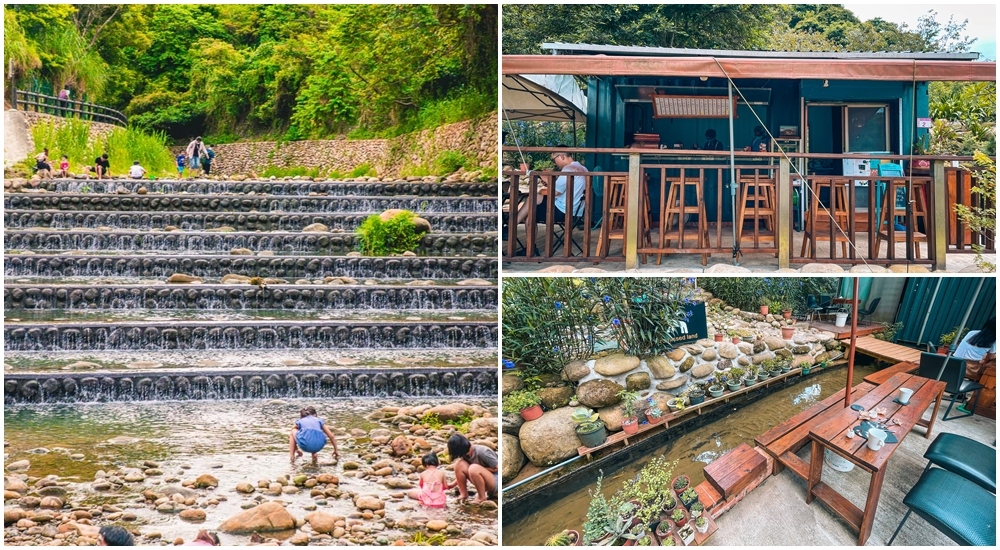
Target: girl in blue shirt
310,434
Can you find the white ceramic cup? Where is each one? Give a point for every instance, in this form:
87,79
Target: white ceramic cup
876,439
904,395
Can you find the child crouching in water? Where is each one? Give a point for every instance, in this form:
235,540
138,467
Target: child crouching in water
433,484
310,434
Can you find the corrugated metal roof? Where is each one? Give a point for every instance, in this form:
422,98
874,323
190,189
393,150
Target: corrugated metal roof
932,306
605,49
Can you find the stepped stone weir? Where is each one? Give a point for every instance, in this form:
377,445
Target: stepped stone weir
189,221
71,296
260,384
322,243
216,266
245,203
277,187
87,264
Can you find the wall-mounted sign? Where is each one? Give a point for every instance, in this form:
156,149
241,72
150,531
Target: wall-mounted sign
925,123
695,328
692,106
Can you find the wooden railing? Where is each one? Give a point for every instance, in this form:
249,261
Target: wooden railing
67,108
961,238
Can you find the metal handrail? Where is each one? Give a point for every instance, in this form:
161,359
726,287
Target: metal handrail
67,108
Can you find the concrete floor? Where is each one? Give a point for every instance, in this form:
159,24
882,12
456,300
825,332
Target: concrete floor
755,262
776,513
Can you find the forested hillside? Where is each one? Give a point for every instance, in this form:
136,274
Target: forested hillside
276,71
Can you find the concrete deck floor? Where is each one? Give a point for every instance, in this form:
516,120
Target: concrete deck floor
755,262
776,513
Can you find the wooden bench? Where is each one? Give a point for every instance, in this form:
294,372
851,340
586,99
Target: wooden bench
880,377
731,473
785,439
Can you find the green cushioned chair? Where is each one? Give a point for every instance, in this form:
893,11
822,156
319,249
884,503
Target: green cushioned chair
963,456
965,512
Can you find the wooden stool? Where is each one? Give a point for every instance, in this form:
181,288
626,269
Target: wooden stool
613,227
757,203
838,196
890,211
674,208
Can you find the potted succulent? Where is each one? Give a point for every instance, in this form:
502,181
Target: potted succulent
701,524
664,531
948,338
764,308
669,503
686,534
676,404
629,405
525,402
654,415
564,538
697,509
785,365
750,378
696,394
689,497
600,519
806,369
762,372
681,483
679,518
735,379
645,539
719,336
589,429
787,332
734,335
717,386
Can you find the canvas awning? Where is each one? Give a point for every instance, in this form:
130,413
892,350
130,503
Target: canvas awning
834,69
546,97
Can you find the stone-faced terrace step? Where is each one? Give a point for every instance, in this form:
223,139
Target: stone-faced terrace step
217,266
261,384
436,244
199,221
274,187
241,203
248,335
236,297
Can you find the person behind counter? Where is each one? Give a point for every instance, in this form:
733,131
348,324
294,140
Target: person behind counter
712,144
565,163
760,141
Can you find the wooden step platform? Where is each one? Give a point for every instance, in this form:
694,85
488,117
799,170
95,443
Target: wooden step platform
785,439
887,351
731,473
880,377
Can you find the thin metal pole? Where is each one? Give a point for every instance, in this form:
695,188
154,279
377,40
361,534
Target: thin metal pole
854,341
732,171
539,474
930,308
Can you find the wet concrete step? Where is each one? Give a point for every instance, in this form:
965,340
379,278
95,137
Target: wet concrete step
245,296
195,221
249,335
467,244
275,187
216,266
236,203
262,384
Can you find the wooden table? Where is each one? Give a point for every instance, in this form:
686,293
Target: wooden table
831,435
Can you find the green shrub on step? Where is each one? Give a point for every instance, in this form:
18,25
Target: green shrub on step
383,238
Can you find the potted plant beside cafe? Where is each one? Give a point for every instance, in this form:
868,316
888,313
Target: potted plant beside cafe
735,378
630,411
764,308
654,415
696,394
689,497
589,429
948,338
525,402
679,518
686,534
717,386
750,378
701,524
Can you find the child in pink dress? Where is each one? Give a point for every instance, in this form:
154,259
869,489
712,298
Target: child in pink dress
432,484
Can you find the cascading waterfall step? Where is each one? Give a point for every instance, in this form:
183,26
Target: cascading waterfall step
274,187
243,203
215,266
201,221
88,297
235,335
263,384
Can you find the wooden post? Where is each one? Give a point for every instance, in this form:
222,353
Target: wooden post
938,241
784,221
632,214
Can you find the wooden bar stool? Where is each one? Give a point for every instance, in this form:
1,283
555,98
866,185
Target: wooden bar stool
613,227
890,211
757,203
675,211
821,231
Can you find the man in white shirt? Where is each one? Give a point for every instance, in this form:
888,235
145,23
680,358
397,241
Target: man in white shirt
565,163
136,172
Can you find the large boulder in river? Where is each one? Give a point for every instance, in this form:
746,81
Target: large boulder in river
323,522
513,458
599,393
550,439
451,411
615,364
422,225
267,517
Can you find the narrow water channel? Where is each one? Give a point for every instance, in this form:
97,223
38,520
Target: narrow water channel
692,451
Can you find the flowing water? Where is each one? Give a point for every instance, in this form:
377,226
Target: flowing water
566,507
235,441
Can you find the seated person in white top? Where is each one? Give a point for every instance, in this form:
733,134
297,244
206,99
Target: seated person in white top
978,348
565,163
136,172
